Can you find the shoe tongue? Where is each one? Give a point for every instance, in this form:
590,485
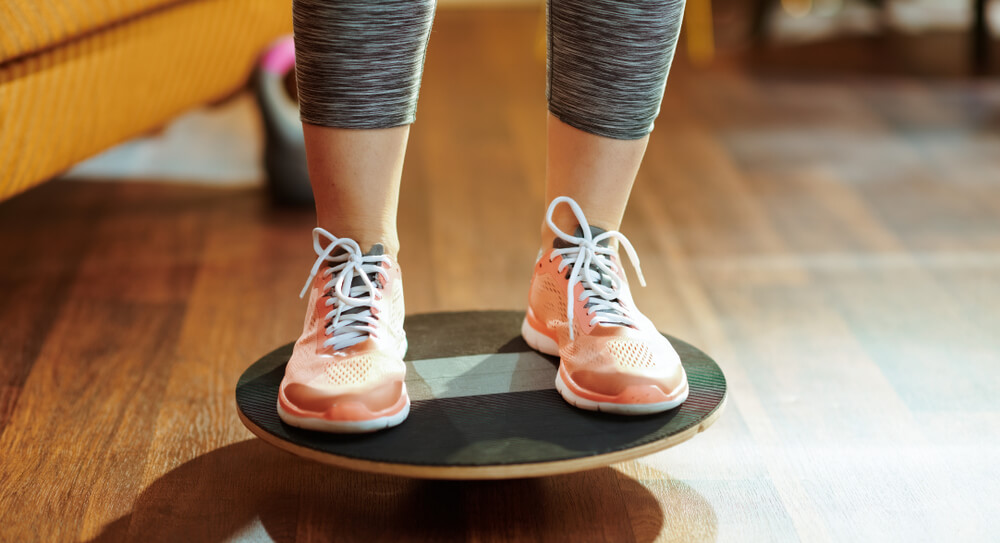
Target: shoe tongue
595,231
357,281
376,250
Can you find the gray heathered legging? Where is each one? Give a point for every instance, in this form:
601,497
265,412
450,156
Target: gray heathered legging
359,62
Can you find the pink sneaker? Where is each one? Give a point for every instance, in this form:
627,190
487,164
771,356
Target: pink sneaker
612,358
346,373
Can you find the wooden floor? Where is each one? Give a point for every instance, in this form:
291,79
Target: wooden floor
833,242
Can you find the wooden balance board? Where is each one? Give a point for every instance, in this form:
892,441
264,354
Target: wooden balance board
484,406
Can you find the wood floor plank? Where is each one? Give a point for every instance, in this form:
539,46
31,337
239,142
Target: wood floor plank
93,392
33,284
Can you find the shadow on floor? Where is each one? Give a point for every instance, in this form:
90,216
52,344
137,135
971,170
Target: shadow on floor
252,491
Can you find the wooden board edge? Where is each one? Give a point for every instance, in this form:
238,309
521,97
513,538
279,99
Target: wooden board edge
511,471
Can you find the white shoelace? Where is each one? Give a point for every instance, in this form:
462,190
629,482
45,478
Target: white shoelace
345,329
584,255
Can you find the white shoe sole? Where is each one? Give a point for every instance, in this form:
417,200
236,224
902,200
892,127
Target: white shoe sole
538,341
617,408
343,426
542,343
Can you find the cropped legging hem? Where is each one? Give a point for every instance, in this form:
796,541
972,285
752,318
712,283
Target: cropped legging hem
616,132
372,123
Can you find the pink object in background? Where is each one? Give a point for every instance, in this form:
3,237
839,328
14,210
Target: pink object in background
279,57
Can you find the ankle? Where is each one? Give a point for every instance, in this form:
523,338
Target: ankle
390,244
548,237
366,238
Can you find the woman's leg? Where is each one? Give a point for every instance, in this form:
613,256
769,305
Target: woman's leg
355,176
596,171
358,68
608,62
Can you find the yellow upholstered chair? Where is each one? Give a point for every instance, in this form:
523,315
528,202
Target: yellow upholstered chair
78,76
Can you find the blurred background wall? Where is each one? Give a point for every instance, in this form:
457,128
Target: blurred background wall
880,39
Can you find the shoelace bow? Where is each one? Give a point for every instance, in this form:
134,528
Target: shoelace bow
345,328
585,254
